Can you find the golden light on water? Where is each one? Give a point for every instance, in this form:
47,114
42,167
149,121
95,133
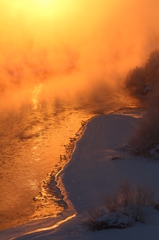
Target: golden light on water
35,96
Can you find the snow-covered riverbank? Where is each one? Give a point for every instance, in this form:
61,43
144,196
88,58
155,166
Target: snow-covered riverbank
96,168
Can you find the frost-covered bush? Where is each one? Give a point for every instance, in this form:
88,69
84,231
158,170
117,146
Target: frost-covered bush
145,78
123,208
151,68
128,196
146,136
135,81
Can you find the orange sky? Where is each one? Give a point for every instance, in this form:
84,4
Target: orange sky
73,45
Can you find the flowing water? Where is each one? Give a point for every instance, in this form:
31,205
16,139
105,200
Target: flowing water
34,142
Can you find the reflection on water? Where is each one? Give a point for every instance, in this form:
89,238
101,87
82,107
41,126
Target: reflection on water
33,145
35,99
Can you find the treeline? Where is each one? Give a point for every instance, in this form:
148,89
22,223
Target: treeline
145,78
144,81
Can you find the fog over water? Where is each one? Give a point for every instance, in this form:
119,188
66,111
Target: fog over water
72,46
62,62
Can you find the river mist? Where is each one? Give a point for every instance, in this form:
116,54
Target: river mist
75,48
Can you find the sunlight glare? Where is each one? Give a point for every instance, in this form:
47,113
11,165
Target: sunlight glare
36,8
44,3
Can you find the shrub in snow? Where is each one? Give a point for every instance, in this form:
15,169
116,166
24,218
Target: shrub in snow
154,153
94,213
129,196
146,136
109,221
123,208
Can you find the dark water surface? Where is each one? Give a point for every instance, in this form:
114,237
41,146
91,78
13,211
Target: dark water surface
34,142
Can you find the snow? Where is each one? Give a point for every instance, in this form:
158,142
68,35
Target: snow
155,152
90,175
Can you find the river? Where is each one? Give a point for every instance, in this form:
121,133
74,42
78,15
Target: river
34,144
